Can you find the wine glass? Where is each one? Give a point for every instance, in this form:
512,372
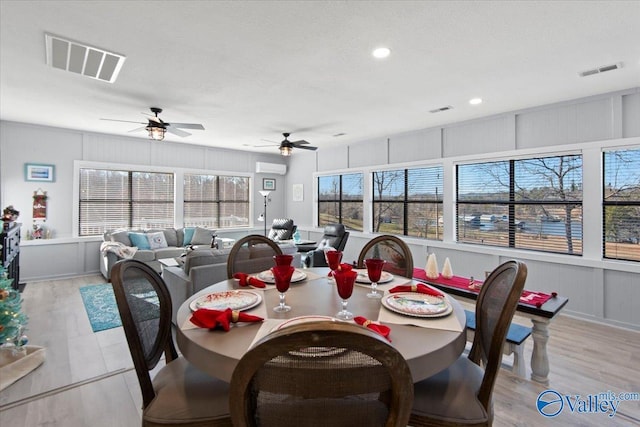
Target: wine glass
282,276
283,259
345,279
374,271
333,258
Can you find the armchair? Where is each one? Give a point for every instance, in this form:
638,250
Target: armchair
336,236
282,229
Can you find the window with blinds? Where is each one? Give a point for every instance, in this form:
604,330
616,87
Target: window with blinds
531,204
621,204
408,202
112,199
216,201
340,200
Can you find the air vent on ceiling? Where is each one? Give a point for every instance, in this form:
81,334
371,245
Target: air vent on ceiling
83,59
600,69
441,109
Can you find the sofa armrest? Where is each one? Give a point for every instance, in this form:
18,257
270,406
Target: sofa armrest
107,260
179,286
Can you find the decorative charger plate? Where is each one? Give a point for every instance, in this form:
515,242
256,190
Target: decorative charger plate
417,305
235,300
267,276
385,277
311,351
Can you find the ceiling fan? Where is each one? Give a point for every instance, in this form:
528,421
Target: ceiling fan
157,127
286,146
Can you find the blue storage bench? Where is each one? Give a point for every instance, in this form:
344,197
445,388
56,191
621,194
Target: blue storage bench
514,344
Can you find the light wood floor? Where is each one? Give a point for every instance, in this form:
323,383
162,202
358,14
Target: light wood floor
87,378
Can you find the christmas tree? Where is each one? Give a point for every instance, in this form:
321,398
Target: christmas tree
12,320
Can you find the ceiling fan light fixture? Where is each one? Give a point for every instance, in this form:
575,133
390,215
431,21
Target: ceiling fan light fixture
156,132
285,150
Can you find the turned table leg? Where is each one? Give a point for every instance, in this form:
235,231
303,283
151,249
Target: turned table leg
539,357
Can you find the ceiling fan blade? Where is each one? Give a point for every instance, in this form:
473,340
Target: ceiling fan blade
186,125
124,121
178,132
138,129
307,147
296,143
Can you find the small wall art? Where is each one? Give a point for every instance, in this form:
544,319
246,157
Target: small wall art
298,192
39,172
268,184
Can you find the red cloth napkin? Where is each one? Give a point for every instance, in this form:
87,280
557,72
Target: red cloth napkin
213,319
246,280
381,329
420,288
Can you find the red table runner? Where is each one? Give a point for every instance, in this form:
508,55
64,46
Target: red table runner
535,299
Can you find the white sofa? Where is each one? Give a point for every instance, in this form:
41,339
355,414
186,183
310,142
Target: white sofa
150,246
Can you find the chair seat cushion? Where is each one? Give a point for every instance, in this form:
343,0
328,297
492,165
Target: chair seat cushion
451,395
186,394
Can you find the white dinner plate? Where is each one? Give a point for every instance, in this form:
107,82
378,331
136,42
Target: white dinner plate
235,300
267,276
417,305
363,277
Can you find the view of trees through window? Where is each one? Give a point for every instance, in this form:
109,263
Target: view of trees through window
621,204
340,199
528,204
112,199
408,202
216,201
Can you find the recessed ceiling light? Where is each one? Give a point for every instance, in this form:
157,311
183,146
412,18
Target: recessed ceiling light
381,52
475,101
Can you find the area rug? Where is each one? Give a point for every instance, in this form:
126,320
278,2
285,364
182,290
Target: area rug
100,305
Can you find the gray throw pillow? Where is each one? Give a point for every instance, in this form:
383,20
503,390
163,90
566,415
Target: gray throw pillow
121,237
202,236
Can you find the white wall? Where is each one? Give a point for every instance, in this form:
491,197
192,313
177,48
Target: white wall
598,289
67,255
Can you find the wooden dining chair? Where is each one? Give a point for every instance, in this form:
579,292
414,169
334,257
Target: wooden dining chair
319,374
178,394
391,249
461,394
252,254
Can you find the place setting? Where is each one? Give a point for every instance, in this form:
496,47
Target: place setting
419,305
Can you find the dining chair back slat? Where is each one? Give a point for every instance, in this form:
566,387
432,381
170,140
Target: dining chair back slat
179,394
252,254
319,374
393,250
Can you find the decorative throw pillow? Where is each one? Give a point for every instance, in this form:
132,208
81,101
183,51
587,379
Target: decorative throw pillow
157,240
139,240
202,236
188,235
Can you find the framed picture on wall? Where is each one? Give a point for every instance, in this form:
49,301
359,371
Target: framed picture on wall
38,172
268,184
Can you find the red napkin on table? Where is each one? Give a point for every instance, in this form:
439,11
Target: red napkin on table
381,329
420,288
213,319
246,280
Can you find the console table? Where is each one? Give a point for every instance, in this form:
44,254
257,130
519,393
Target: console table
10,241
540,318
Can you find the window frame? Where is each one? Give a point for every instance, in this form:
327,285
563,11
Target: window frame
340,200
407,200
512,203
607,203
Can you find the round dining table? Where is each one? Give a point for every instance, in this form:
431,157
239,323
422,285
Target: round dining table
428,348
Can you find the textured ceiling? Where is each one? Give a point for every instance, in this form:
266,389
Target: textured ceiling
250,70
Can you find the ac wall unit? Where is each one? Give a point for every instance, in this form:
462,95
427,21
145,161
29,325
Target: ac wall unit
275,168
